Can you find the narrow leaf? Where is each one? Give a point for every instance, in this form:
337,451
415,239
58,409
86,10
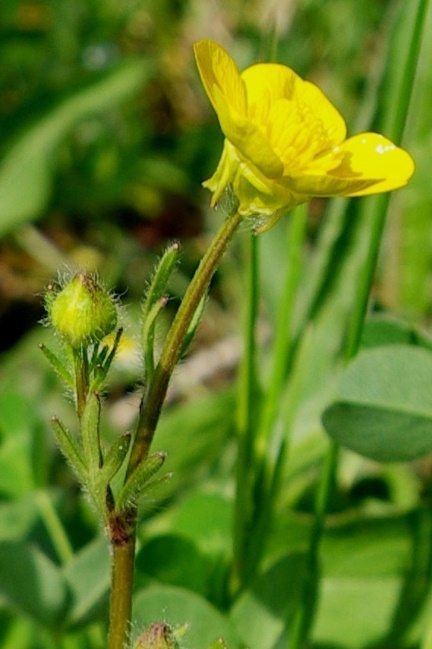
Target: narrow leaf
70,449
139,479
90,423
30,582
57,365
155,299
88,578
114,458
148,334
162,273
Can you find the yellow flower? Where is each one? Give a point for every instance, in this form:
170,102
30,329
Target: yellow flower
285,142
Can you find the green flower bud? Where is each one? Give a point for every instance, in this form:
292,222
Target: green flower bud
82,312
157,636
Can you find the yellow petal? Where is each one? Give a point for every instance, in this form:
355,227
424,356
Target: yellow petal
285,141
265,84
365,164
297,135
332,121
324,184
227,94
376,160
220,76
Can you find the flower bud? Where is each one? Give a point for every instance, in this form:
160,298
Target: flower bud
82,312
157,636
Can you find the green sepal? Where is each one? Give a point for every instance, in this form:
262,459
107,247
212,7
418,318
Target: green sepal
90,423
70,448
64,373
218,644
114,458
139,480
102,361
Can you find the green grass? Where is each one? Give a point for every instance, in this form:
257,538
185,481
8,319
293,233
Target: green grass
268,534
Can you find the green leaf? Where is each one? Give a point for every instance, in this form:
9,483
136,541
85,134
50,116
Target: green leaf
88,577
139,480
206,519
173,560
63,372
193,434
384,407
19,632
90,424
70,448
17,431
355,612
26,169
383,330
114,458
262,614
178,606
31,583
364,563
17,517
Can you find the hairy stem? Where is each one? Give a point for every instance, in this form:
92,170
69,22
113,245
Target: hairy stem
123,526
122,571
172,349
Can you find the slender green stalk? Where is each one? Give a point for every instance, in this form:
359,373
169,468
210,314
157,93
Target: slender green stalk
81,379
261,452
155,395
123,524
375,208
304,615
123,558
248,388
284,327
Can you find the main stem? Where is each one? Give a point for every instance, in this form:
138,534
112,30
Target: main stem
122,557
172,349
123,528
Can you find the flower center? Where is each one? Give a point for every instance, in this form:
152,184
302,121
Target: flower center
297,135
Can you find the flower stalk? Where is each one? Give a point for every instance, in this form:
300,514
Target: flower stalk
173,346
124,523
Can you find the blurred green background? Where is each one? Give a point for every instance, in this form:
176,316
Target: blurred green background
106,136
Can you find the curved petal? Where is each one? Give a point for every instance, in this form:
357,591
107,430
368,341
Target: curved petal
254,146
220,76
298,136
227,94
368,164
266,83
332,121
377,160
324,184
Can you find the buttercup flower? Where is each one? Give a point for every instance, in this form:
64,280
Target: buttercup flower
285,142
